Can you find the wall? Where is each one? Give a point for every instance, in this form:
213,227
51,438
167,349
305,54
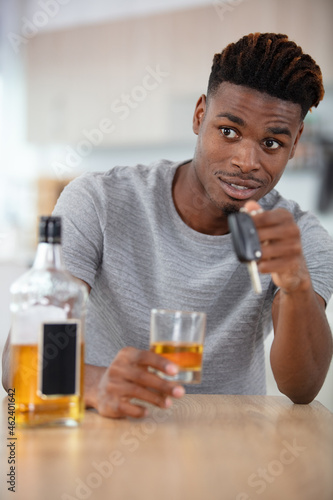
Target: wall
77,77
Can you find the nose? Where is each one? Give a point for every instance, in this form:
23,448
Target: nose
246,156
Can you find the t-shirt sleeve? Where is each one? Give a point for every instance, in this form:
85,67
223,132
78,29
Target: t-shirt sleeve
82,227
318,250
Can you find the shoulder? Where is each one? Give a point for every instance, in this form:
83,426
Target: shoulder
303,218
309,224
96,182
275,200
116,192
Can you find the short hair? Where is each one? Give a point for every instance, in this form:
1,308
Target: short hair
269,63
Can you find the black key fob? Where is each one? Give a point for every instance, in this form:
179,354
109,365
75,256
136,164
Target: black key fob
244,237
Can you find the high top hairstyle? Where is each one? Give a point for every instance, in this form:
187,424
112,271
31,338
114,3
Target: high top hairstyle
269,63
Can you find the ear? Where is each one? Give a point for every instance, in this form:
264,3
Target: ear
199,113
299,133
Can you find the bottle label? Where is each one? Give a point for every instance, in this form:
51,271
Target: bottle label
59,359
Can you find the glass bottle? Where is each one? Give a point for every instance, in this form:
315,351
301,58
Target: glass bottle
47,336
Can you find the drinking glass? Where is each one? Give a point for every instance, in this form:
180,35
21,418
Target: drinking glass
179,337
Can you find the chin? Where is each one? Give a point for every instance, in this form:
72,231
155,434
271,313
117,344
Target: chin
229,208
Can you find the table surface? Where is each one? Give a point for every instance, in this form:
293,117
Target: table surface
203,447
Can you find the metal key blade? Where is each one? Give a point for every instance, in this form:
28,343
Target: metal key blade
254,275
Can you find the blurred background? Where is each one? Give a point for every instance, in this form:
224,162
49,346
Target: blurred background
88,84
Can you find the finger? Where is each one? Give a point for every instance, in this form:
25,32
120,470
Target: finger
129,409
147,395
272,250
148,358
116,392
273,219
121,409
287,233
139,375
280,265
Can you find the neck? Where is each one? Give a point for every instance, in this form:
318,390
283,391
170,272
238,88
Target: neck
193,205
48,256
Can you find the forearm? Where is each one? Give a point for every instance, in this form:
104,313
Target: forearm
92,377
302,347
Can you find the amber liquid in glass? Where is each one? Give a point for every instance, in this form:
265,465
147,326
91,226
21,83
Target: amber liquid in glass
30,408
187,355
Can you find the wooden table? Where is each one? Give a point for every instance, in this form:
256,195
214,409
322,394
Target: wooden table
203,448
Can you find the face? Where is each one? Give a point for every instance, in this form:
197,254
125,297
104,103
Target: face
245,139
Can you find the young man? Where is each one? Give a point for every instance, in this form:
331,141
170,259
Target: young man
157,236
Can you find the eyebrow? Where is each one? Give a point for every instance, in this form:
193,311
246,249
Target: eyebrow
279,131
240,121
232,118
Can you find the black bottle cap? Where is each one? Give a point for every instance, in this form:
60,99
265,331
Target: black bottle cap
50,230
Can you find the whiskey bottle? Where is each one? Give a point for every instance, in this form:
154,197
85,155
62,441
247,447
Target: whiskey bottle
47,337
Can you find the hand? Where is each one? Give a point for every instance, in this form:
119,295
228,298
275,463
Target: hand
282,253
128,377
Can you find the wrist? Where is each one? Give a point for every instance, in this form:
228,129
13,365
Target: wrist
294,282
297,286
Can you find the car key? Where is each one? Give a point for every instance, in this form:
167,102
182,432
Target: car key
246,244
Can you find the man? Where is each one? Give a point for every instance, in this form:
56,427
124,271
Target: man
157,236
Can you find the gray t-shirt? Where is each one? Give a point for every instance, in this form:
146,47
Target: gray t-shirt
124,237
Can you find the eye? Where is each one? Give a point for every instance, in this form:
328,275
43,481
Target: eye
228,132
272,144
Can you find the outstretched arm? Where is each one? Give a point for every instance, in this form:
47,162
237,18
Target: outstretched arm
302,347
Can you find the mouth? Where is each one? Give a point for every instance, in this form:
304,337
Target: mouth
239,189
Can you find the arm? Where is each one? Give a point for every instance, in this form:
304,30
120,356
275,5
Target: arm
302,347
110,390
